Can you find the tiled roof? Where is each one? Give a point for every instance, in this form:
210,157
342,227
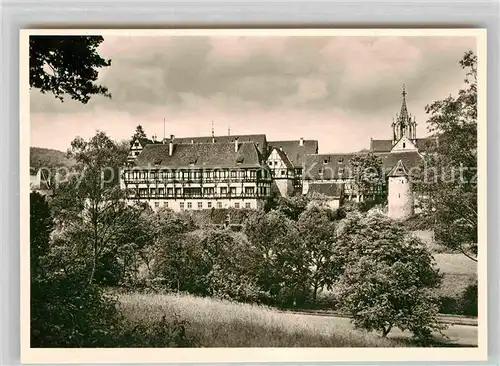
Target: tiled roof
327,166
410,159
283,156
423,144
200,155
380,145
296,153
327,189
259,140
399,170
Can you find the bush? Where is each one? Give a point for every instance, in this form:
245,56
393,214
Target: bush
468,301
67,311
161,333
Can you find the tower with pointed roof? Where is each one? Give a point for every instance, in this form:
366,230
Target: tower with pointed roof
404,125
400,193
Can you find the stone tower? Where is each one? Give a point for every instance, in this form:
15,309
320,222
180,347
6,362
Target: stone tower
400,195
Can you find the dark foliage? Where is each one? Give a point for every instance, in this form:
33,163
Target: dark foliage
67,65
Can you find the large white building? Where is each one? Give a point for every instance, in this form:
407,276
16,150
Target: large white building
199,175
194,173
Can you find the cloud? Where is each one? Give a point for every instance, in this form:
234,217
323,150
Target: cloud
345,87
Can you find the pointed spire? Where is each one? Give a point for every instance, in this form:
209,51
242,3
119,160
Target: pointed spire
403,114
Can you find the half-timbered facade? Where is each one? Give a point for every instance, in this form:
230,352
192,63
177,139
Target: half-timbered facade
199,175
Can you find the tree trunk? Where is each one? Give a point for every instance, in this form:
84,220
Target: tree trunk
315,293
386,331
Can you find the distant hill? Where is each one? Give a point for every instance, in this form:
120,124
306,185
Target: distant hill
49,158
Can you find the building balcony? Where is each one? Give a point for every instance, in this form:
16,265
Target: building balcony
199,196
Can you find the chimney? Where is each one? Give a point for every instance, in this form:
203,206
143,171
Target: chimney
281,148
236,144
301,142
171,146
192,141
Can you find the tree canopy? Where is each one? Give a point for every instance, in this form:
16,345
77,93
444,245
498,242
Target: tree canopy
449,183
67,65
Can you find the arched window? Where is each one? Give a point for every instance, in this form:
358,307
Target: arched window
404,145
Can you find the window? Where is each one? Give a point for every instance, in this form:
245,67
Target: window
143,192
157,204
153,175
161,191
153,191
170,191
232,192
236,205
200,205
325,161
178,191
341,170
208,191
283,173
404,145
248,205
249,190
320,171
209,204
165,204
181,205
223,190
219,204
136,144
233,174
136,153
190,205
253,174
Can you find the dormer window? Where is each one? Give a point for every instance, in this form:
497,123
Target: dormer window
320,171
404,145
341,170
325,161
341,160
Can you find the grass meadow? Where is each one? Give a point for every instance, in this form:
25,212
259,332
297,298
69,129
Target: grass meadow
217,323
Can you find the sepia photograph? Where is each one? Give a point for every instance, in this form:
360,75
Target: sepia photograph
194,191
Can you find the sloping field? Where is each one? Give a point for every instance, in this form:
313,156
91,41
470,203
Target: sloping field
218,323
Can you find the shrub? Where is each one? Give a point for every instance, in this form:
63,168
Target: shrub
67,311
468,301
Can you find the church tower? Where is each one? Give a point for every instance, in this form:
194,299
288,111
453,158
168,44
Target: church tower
403,125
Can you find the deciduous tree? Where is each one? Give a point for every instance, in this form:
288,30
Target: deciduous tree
318,233
388,277
67,65
449,184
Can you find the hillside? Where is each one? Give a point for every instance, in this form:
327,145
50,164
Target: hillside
49,158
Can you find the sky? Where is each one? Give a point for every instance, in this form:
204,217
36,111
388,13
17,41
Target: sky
341,91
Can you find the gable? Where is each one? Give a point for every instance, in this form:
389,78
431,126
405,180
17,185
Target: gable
296,150
404,144
278,159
